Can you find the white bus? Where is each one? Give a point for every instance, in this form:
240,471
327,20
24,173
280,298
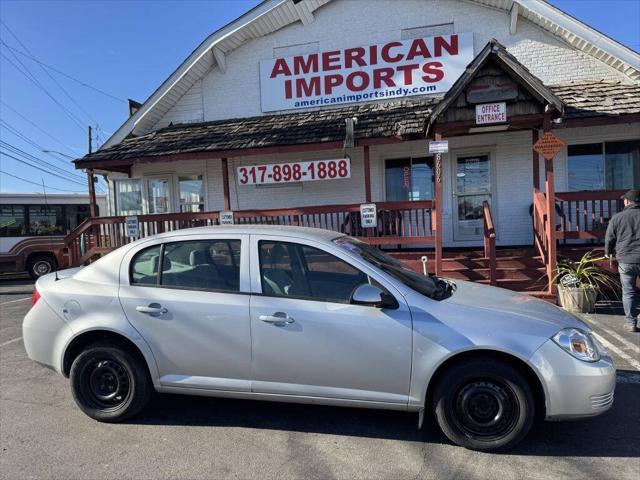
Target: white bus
33,227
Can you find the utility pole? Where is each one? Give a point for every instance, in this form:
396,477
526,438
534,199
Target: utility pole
93,210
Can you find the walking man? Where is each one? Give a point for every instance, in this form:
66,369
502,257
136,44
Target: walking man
623,237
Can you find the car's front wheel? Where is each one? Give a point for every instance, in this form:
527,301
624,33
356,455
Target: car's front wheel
484,405
110,384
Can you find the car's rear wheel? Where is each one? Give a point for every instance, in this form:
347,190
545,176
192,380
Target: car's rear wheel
484,405
110,384
40,265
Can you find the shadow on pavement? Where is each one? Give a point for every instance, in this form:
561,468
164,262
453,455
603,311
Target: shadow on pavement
613,434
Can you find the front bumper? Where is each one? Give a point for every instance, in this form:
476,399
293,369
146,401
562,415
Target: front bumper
573,388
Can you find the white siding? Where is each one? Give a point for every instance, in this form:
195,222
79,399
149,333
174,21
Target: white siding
341,24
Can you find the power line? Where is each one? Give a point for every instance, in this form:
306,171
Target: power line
26,139
39,184
46,165
46,72
32,158
53,69
41,169
60,142
27,73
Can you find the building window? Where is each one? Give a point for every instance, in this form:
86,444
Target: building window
12,221
128,197
191,188
604,166
159,195
46,220
409,179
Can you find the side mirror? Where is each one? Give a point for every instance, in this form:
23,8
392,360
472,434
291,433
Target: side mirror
372,296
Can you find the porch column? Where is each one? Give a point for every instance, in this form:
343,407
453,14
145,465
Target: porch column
438,213
225,183
536,160
550,191
367,175
93,206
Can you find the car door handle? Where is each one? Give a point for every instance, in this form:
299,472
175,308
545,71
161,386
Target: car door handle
278,318
153,309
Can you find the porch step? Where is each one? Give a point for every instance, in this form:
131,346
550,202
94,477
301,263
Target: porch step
533,275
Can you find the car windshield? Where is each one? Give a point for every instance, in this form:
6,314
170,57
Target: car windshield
430,286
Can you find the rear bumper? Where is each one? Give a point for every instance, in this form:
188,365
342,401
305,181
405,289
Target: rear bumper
573,388
45,334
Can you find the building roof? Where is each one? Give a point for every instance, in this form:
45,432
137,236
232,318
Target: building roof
593,98
405,118
375,120
495,51
272,15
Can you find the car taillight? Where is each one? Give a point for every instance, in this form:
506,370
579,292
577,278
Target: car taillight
35,297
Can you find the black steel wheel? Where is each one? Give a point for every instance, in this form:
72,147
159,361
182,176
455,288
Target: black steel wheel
109,383
41,265
484,405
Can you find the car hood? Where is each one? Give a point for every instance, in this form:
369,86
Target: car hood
477,316
493,300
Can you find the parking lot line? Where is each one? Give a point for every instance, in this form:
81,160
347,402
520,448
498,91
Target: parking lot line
8,342
627,343
632,361
13,301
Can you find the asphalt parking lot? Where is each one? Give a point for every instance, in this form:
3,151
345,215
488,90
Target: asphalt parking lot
44,435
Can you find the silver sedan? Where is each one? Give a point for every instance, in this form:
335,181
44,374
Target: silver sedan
304,315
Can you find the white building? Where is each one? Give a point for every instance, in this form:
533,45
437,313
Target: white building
372,83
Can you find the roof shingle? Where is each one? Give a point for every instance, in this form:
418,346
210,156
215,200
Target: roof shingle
375,120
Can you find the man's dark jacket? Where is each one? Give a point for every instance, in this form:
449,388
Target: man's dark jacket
623,235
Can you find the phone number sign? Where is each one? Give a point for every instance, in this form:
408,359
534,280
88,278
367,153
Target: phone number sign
295,172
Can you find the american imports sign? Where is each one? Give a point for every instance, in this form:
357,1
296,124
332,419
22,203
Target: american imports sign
382,71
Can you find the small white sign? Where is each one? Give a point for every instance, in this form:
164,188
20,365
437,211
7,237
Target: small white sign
226,217
440,146
491,113
368,215
132,226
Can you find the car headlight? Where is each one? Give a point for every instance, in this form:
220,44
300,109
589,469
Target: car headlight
579,344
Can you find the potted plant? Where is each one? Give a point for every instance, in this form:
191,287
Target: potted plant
580,282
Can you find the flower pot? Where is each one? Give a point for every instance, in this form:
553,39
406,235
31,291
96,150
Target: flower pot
577,299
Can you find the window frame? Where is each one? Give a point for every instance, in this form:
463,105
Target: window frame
126,275
411,158
603,147
299,243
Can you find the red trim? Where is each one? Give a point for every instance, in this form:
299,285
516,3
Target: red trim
307,147
225,183
597,121
437,218
367,175
536,160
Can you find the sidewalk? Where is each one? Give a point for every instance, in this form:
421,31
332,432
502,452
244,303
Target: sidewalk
607,324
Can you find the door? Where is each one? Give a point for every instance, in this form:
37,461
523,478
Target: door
159,194
472,186
309,340
189,299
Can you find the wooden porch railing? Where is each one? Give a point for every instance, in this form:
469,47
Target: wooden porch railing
399,223
585,215
490,242
540,220
580,216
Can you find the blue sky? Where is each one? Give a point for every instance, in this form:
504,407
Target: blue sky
125,49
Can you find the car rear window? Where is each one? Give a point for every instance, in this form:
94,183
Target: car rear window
194,265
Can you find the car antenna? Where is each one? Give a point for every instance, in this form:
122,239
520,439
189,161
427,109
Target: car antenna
56,273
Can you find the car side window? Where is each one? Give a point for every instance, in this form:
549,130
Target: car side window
143,269
295,270
202,265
